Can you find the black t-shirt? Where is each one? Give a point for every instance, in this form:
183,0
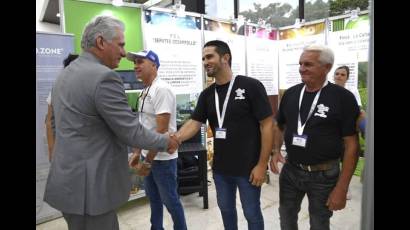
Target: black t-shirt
325,129
247,105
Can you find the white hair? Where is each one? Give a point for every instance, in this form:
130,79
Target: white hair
105,26
326,55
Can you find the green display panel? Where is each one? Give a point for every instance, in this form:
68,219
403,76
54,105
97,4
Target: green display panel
77,14
132,96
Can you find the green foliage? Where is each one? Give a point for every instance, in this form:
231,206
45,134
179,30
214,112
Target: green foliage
363,97
362,83
362,143
279,15
338,7
315,11
359,166
275,13
362,74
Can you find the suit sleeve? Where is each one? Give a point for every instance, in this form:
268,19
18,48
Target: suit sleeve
111,103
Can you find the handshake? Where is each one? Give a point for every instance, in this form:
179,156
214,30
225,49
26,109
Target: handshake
143,167
173,143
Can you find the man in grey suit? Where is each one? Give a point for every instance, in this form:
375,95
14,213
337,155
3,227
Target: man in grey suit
93,126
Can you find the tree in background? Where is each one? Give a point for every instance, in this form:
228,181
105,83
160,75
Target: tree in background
316,10
276,14
338,7
279,15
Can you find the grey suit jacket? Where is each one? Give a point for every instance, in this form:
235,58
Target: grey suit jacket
93,124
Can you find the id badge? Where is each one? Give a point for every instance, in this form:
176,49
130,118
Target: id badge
299,140
220,133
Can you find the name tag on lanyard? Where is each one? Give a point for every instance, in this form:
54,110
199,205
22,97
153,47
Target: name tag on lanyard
299,140
220,133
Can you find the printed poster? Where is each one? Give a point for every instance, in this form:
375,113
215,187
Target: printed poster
177,41
262,59
289,53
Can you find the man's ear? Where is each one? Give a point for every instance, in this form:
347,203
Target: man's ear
99,43
226,58
328,67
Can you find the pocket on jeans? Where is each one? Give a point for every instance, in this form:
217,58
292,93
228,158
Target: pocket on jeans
332,173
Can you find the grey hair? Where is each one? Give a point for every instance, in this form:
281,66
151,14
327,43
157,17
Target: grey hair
326,55
105,26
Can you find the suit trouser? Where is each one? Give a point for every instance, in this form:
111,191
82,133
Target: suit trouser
106,221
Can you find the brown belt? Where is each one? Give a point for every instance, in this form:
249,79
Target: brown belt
318,167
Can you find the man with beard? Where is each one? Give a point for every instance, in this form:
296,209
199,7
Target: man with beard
238,111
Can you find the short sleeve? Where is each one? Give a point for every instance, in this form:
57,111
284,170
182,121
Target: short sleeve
261,107
164,101
280,117
200,112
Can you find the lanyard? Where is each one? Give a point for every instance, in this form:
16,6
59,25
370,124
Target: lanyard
312,107
218,114
143,99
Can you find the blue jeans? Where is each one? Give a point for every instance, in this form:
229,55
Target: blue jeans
161,188
294,183
250,199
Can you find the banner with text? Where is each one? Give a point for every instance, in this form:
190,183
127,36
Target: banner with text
351,47
51,50
262,60
289,53
177,41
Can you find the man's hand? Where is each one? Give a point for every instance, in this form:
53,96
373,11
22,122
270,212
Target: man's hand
337,199
257,176
143,169
173,144
277,157
134,159
176,137
150,156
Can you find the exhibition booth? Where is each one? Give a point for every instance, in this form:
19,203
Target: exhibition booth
270,55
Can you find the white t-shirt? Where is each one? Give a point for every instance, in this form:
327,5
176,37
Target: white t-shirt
160,99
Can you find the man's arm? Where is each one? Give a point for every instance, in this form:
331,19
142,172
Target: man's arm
49,133
188,130
259,171
337,198
277,144
162,121
111,104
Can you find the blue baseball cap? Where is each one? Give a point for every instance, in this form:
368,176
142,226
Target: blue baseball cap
148,54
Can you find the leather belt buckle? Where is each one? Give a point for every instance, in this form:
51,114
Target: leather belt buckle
318,167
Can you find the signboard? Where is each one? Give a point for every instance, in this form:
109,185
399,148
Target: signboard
51,50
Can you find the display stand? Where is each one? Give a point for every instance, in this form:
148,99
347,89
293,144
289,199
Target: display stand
199,150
